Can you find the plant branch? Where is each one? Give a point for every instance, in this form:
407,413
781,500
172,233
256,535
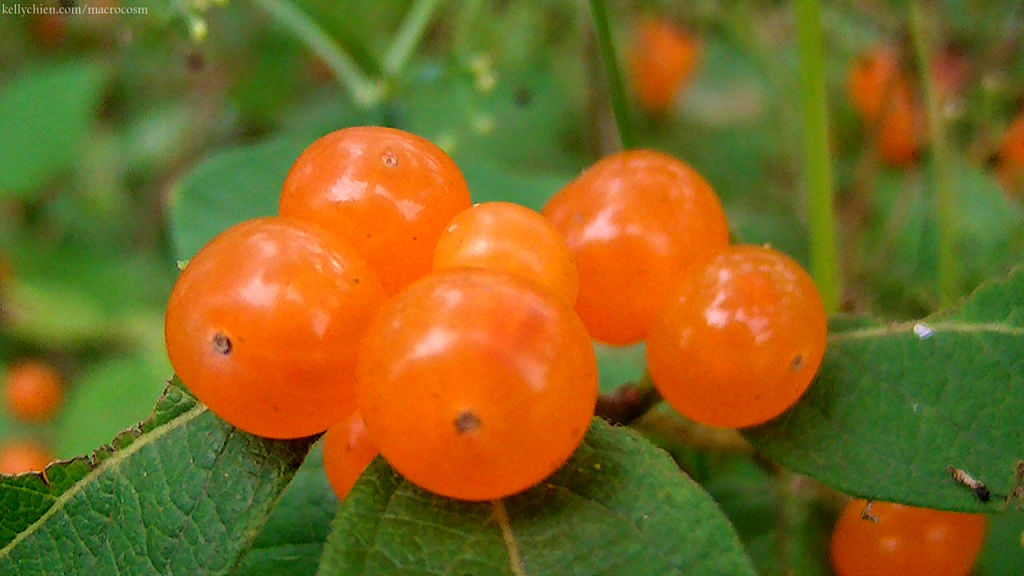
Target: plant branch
363,90
620,102
628,402
408,36
941,159
824,251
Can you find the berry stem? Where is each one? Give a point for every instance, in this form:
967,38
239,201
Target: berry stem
364,91
945,205
620,103
628,402
408,36
824,252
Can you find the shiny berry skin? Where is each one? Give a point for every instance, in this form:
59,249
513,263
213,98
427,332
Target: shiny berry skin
905,540
264,323
22,456
510,238
348,450
636,223
476,384
661,61
387,192
33,390
741,340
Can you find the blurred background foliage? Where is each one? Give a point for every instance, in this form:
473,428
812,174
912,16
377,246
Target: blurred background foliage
127,141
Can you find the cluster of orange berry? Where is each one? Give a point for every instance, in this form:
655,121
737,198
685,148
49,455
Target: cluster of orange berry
456,340
32,393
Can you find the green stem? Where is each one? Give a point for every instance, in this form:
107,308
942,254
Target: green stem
821,219
941,161
620,103
464,20
408,36
363,90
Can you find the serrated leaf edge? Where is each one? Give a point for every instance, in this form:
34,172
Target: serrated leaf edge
108,462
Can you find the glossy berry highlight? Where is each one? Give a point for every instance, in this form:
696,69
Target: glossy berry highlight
387,192
740,341
510,238
264,323
636,222
476,384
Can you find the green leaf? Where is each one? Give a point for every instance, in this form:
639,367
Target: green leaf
1003,551
901,250
184,493
516,117
108,397
619,365
46,115
490,180
895,405
783,527
294,535
619,506
228,187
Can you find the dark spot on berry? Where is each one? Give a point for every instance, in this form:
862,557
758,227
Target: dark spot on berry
390,159
466,422
221,344
797,363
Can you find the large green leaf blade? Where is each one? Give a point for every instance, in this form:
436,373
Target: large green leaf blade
620,506
184,493
46,114
294,535
228,187
894,406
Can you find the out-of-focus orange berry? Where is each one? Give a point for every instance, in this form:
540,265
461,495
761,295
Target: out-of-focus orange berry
661,61
19,457
32,390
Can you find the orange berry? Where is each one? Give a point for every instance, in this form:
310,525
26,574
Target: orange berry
874,79
897,134
661,61
264,323
883,97
636,222
1010,169
741,341
510,238
1011,147
905,540
33,390
475,384
19,457
387,192
348,450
